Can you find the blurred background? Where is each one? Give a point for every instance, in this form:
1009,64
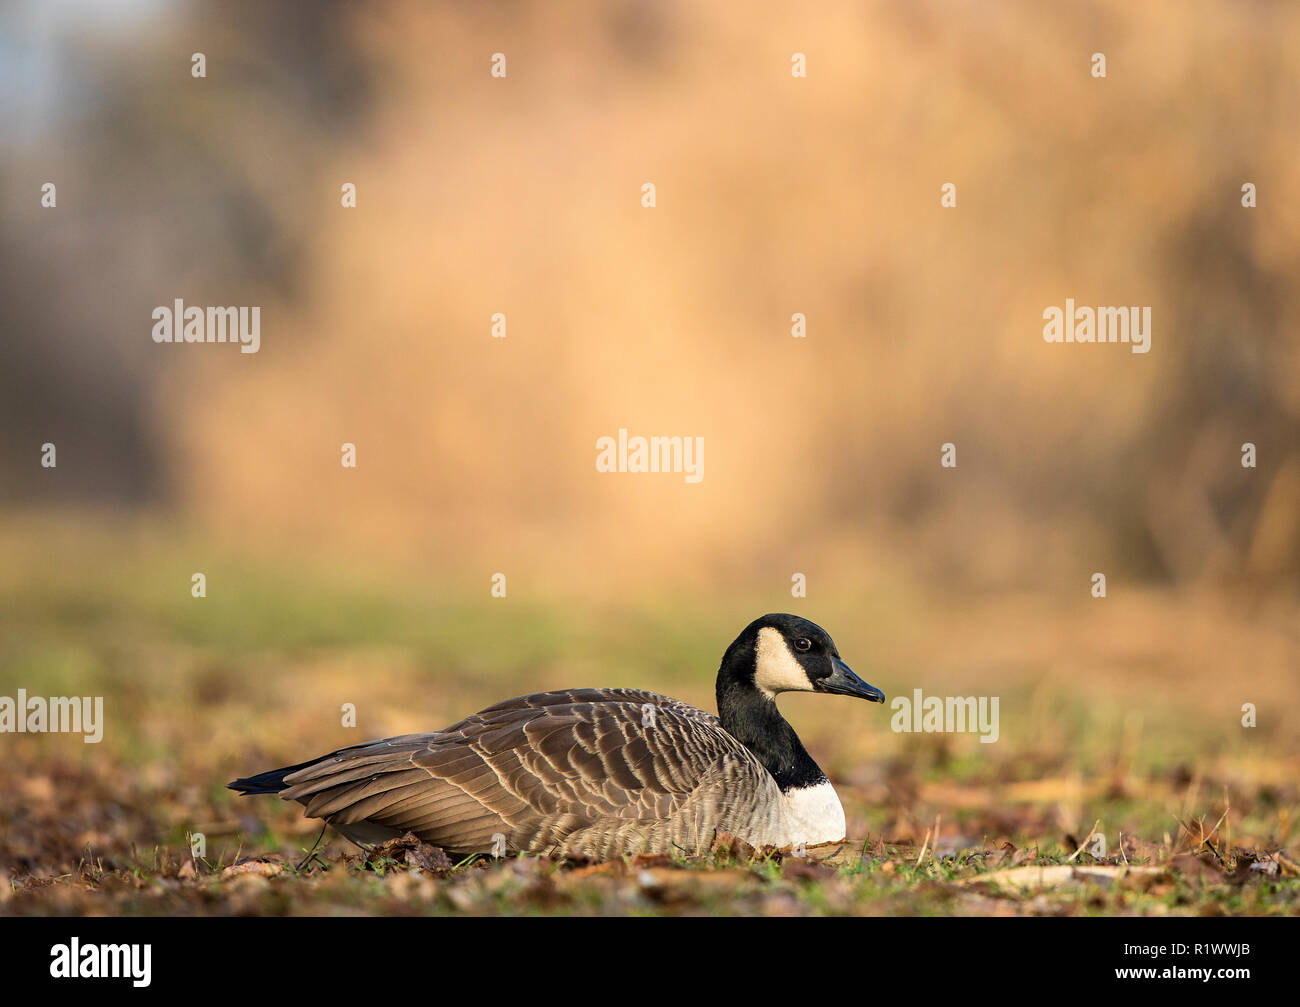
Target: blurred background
775,195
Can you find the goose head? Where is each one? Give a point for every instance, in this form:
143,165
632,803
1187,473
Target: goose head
785,653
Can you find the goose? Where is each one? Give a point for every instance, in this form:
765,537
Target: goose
595,774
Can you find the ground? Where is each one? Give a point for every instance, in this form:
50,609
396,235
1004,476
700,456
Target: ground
1129,727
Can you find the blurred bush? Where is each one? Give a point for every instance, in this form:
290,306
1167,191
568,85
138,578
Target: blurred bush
776,195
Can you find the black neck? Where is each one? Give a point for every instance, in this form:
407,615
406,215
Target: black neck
753,719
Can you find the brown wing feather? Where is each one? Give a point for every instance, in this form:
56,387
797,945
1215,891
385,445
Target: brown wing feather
573,771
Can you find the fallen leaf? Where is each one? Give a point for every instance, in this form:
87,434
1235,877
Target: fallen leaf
1056,875
267,868
1200,867
725,842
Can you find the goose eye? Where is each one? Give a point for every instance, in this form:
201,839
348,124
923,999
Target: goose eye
803,645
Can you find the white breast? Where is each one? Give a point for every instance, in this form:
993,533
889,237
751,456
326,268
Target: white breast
816,815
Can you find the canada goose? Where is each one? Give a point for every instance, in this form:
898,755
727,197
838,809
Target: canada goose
596,773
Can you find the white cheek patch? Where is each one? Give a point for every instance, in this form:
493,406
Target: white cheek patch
816,815
775,668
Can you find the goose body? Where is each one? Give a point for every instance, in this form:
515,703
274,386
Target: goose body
597,773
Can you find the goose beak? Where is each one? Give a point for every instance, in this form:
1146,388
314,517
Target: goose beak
843,682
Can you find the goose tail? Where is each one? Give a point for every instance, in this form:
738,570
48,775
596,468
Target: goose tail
270,782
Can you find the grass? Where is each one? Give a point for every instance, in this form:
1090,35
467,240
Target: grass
198,691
